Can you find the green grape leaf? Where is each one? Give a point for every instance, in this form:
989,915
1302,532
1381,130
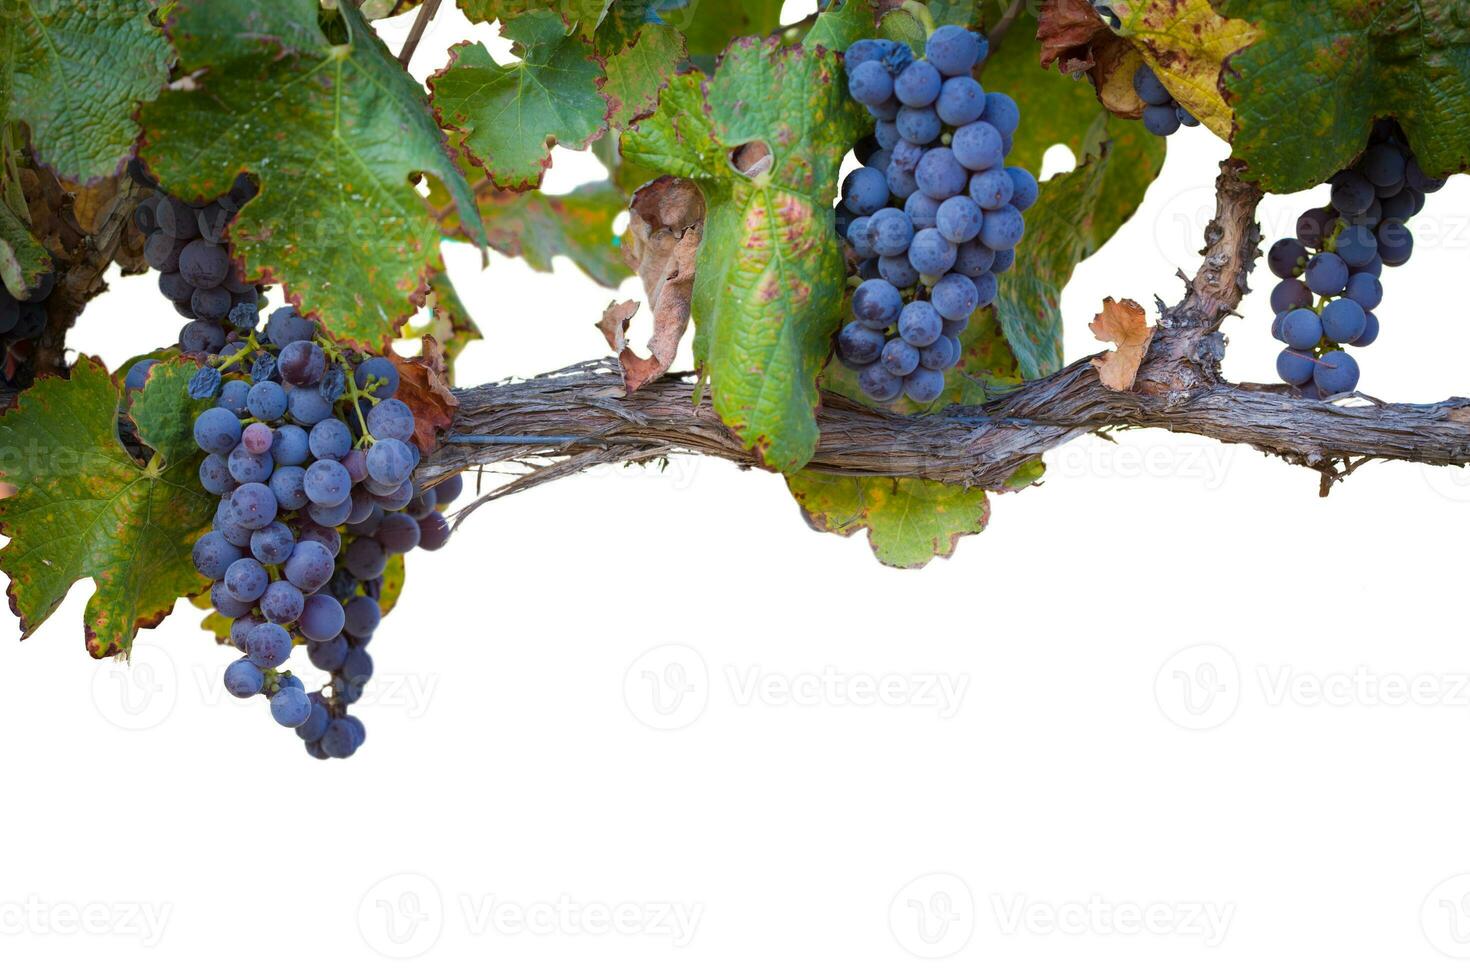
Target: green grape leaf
639,70
1055,109
23,260
709,26
336,133
837,28
76,74
763,139
961,13
508,117
86,509
908,521
1077,213
1305,95
581,15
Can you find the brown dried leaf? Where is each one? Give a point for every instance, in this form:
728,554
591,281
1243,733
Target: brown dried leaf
664,231
1076,39
1067,30
422,387
1123,323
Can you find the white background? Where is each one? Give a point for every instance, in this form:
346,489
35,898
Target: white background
1172,714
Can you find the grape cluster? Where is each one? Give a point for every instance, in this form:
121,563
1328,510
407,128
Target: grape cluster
22,320
1330,272
188,247
1162,114
933,213
312,458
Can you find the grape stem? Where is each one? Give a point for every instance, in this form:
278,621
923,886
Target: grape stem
416,32
1002,26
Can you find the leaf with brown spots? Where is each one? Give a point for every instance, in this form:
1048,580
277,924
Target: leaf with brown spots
423,387
338,135
764,139
86,509
1123,324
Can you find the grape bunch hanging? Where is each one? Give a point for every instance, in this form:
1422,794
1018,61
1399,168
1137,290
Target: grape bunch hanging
1162,113
932,215
312,457
1331,271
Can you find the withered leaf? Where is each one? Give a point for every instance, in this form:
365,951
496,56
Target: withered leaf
1123,323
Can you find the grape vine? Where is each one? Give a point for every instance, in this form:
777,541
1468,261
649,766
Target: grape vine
886,341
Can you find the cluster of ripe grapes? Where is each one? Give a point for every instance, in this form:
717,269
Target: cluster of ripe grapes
1162,113
1330,272
22,320
312,458
933,213
188,246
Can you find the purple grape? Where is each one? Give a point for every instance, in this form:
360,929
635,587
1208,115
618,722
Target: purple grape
268,646
919,325
272,544
282,603
310,566
978,146
321,621
875,381
961,101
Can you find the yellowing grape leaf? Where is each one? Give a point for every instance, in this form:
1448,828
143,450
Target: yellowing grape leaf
908,522
1187,43
87,509
337,135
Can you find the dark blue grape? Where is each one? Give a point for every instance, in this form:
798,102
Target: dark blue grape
1027,190
955,297
309,567
931,253
272,544
321,621
1337,372
918,126
1365,289
1004,228
987,288
333,384
876,382
906,156
217,430
940,174
991,189
1301,329
282,603
1295,367
978,146
1370,332
922,210
1385,165
954,50
874,302
1356,245
857,345
1287,258
899,357
1395,242
961,101
1327,274
1343,321
897,270
917,85
365,558
885,135
923,385
959,219
1146,83
233,396
863,192
973,259
1352,193
246,579
1315,225
290,707
268,646
1161,120
869,83
214,475
213,555
1002,112
243,679
307,406
919,324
